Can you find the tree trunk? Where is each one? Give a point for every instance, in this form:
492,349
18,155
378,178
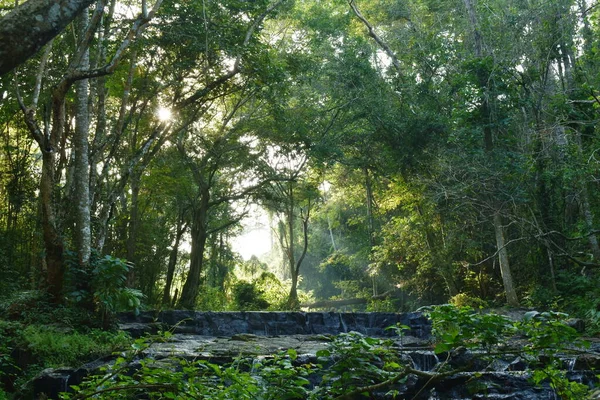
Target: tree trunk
189,294
588,217
166,300
586,209
370,219
486,121
132,229
293,296
507,280
53,243
81,174
443,268
331,237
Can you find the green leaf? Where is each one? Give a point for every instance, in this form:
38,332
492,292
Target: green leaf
323,353
442,347
292,353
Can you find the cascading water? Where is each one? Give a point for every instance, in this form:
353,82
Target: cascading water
424,360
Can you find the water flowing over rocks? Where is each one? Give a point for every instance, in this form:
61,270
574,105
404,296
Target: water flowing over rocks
275,323
222,337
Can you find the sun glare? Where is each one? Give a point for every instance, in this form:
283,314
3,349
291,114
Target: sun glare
163,114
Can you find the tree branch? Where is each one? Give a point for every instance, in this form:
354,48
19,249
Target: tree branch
31,25
374,35
236,65
432,377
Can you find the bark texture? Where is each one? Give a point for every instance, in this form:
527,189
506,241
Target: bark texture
83,231
507,280
29,26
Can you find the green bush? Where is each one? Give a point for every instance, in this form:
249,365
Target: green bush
101,288
274,291
464,300
351,362
55,347
26,306
246,296
356,361
461,326
211,299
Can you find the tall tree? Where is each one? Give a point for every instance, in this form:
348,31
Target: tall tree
482,71
51,136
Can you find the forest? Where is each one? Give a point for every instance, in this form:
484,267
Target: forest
403,152
368,155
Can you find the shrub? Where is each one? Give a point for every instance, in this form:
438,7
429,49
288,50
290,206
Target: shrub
246,296
25,305
105,288
464,300
56,347
462,326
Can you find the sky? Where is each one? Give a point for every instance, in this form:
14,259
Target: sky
256,236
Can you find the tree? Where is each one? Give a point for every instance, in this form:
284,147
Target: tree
482,72
51,136
293,196
226,165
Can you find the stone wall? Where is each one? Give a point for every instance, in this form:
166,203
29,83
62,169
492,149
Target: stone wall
280,323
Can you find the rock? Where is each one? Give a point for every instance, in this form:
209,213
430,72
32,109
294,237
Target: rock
529,315
424,360
587,362
244,337
491,385
577,324
138,329
221,337
51,381
518,364
276,323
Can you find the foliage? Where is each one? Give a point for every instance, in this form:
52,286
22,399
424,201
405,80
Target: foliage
457,139
351,365
545,336
462,326
565,388
180,379
385,305
212,299
25,305
104,286
246,296
351,361
274,291
58,347
464,300
548,335
356,361
548,332
9,370
109,277
29,348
